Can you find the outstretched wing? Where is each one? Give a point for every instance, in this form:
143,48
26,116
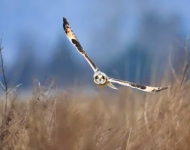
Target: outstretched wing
136,86
72,38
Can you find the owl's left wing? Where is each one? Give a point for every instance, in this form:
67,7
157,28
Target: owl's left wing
136,86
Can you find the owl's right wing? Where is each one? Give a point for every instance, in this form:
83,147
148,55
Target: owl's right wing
72,38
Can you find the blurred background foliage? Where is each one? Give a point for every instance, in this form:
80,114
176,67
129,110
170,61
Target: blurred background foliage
127,39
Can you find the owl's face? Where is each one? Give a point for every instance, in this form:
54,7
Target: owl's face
100,78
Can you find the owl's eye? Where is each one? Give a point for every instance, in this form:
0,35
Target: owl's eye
103,77
96,77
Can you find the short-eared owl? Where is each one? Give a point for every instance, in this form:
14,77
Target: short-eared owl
101,78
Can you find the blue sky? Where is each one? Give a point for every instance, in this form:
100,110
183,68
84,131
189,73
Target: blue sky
42,20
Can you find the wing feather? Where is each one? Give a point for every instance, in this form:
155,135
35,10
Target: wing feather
73,39
136,86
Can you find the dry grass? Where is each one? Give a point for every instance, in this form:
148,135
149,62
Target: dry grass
119,121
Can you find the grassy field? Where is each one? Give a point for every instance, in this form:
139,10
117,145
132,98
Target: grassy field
122,120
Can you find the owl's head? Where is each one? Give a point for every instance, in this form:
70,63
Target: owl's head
100,78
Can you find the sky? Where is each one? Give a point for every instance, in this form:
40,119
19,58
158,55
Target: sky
42,22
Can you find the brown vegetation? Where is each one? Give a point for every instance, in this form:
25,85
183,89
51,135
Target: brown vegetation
120,121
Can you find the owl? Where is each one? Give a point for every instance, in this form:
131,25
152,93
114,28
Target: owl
100,78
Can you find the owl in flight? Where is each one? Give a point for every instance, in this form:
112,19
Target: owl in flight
101,78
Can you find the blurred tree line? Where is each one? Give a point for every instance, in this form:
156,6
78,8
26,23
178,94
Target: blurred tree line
143,61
